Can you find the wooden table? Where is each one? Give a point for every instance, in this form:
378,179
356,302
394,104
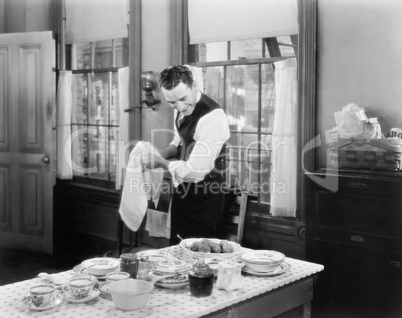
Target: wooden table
260,297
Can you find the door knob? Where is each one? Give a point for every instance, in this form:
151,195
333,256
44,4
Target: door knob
45,159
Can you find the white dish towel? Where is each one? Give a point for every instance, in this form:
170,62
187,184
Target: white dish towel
158,223
140,185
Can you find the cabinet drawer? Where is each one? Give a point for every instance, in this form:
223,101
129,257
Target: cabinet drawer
368,213
357,239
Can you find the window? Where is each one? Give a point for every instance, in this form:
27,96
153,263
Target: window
240,76
95,119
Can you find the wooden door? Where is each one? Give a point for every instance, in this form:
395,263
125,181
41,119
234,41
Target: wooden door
27,94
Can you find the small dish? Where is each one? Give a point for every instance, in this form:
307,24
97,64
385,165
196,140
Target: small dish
104,288
171,266
68,296
154,255
174,282
282,268
100,266
79,269
57,300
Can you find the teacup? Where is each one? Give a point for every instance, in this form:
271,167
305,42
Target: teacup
80,287
115,276
41,295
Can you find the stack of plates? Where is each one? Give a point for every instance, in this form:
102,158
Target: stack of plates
264,263
177,268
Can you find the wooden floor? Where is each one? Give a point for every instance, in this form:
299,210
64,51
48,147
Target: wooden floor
20,265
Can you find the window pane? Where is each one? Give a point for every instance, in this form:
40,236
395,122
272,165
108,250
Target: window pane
216,52
104,57
99,99
121,51
81,101
113,146
103,54
81,56
249,49
98,156
267,97
214,84
285,45
80,150
114,106
242,96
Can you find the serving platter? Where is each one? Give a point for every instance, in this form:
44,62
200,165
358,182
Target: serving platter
187,245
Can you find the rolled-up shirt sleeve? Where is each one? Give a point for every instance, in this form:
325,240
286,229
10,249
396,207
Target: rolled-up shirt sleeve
211,133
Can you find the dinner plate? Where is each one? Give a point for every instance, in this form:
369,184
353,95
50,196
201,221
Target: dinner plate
280,270
263,257
69,297
57,300
187,243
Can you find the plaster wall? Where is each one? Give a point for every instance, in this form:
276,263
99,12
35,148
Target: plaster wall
359,51
157,39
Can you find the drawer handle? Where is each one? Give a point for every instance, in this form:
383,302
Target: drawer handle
357,238
358,185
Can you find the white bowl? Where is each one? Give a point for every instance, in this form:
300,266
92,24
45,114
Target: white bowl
187,243
130,294
100,266
263,257
262,260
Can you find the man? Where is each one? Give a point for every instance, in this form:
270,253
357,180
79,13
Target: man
196,168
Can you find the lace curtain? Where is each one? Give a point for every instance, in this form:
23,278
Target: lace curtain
284,144
123,135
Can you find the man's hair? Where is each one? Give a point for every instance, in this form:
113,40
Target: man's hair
170,77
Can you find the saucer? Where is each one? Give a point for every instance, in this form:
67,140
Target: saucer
57,300
92,294
104,288
280,270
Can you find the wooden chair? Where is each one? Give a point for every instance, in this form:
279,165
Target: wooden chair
234,216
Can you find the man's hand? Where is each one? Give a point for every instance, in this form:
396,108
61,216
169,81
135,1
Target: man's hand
156,162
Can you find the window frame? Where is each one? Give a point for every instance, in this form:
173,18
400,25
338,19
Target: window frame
307,17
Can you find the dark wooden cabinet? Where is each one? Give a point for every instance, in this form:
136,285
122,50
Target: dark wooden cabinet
354,230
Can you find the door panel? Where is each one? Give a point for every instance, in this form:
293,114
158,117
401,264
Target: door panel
26,137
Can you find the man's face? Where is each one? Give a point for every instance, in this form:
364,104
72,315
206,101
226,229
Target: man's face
182,97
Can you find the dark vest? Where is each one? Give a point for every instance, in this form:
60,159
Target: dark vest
187,129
